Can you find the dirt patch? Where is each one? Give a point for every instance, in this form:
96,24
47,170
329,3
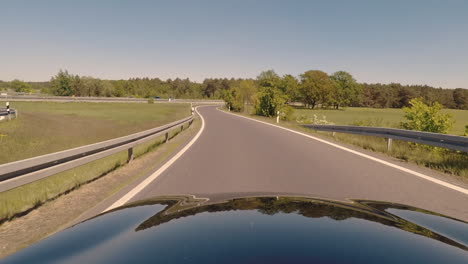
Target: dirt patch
55,215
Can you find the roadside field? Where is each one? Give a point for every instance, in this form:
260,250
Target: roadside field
377,117
46,127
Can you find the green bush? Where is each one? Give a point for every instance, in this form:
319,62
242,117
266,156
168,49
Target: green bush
286,113
427,118
151,100
20,86
269,101
234,100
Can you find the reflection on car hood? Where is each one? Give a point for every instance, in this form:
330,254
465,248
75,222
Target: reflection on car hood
257,230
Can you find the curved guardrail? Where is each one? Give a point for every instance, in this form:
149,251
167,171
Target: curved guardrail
459,143
21,172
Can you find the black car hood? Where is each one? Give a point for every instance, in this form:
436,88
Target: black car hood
283,229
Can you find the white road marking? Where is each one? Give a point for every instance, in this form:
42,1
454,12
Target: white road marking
434,180
153,176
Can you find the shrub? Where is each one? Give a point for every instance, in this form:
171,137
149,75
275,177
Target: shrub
269,101
20,86
427,118
234,100
151,100
286,113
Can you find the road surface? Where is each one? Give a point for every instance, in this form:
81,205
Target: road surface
237,155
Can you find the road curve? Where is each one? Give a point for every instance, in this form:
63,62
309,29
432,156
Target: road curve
237,155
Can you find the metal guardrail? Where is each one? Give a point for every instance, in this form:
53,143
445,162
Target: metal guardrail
459,143
103,99
21,172
5,115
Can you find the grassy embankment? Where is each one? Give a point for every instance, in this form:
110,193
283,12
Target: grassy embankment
440,159
49,127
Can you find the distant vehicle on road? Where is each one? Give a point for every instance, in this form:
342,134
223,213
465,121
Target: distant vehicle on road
261,229
156,97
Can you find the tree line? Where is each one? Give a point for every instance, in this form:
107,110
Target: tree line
312,88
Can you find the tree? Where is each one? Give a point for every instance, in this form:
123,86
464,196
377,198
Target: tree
78,87
426,118
90,86
247,90
20,86
289,85
61,84
209,88
316,87
460,97
107,88
268,79
347,90
403,97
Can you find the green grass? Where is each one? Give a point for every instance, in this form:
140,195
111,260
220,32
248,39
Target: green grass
378,117
46,127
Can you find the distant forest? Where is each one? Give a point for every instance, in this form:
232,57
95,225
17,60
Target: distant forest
329,90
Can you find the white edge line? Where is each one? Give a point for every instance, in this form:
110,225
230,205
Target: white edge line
445,184
153,176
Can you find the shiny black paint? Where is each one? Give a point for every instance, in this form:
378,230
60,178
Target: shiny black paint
257,230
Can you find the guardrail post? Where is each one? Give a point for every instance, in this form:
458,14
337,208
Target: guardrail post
167,137
181,128
333,133
389,144
130,155
8,110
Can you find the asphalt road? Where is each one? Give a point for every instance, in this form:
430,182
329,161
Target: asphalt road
236,155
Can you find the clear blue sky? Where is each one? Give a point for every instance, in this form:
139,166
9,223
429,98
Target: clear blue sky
412,42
